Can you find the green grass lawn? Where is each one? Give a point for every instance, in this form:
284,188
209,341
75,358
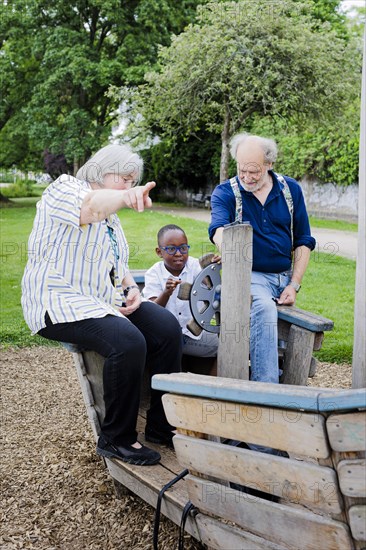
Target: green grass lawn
328,287
338,225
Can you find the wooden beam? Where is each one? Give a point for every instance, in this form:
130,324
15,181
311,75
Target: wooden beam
277,428
216,534
357,522
347,432
352,477
236,254
295,481
359,342
304,319
292,527
299,352
243,391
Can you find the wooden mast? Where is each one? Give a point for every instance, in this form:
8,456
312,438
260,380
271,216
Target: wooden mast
359,342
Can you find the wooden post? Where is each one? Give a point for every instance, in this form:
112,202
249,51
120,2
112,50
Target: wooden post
359,342
236,254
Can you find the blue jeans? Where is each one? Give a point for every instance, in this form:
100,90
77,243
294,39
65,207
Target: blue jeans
263,324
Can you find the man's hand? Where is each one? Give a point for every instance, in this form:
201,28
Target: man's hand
133,302
138,197
288,297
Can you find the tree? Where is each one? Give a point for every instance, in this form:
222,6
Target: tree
242,58
59,60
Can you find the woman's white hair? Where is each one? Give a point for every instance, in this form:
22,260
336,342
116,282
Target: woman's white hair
268,145
112,159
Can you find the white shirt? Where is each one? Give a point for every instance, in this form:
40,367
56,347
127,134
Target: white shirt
68,269
155,281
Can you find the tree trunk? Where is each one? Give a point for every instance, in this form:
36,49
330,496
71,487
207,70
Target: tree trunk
76,165
225,153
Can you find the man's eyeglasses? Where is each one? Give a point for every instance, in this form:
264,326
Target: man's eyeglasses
171,250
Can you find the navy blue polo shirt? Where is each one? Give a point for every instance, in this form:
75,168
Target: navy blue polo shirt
271,222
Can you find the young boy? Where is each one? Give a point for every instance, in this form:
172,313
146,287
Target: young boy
161,286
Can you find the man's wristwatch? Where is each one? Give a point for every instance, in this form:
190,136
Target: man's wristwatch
128,288
295,285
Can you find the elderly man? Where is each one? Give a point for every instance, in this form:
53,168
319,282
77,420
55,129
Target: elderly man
274,206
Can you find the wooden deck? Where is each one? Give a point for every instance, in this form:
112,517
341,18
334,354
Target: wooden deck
147,481
144,481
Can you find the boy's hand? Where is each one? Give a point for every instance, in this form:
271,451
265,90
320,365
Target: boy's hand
171,285
216,259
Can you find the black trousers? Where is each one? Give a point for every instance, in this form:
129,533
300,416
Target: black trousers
150,337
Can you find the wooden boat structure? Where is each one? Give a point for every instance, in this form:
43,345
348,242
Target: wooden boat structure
312,494
311,498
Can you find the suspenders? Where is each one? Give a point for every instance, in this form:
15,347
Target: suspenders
239,203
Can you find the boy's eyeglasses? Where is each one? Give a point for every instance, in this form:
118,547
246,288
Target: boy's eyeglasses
171,250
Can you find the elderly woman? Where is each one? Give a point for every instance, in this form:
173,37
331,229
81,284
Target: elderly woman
77,288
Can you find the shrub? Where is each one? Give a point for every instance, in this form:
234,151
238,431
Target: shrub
19,189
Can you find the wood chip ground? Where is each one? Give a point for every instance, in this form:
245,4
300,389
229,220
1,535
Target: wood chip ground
56,493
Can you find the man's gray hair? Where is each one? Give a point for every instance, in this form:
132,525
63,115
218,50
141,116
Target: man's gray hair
112,159
268,145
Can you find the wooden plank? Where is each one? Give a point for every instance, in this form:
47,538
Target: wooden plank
357,522
283,328
319,337
347,432
292,431
342,400
87,394
236,257
313,367
94,367
147,485
296,481
216,534
304,483
278,523
305,319
241,391
352,477
298,355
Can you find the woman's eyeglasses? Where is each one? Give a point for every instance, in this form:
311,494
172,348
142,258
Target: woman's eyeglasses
171,250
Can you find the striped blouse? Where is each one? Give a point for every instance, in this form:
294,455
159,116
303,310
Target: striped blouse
68,273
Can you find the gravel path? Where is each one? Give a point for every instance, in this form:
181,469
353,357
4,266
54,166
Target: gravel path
56,491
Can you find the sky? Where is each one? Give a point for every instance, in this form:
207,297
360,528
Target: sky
347,5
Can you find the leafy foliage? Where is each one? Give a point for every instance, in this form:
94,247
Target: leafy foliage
58,61
214,76
327,151
20,188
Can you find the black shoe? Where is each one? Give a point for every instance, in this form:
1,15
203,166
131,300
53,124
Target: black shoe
159,437
142,457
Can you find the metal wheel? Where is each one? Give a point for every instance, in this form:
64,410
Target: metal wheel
205,298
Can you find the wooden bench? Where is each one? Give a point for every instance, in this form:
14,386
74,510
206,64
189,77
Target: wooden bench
300,333
319,491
